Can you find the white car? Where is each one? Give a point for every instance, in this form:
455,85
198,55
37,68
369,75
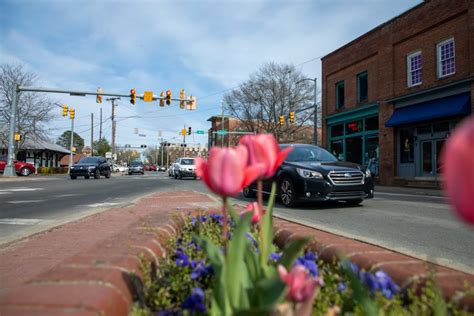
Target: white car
119,168
184,167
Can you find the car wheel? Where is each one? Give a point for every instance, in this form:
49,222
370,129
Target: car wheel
287,192
180,176
86,177
107,174
25,171
97,174
73,177
354,202
175,176
248,192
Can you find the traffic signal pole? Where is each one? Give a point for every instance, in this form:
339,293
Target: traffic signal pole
71,145
10,167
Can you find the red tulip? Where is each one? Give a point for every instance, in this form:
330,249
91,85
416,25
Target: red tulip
301,285
458,169
226,171
263,148
255,208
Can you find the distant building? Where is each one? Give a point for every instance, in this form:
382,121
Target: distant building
38,152
393,95
303,135
177,151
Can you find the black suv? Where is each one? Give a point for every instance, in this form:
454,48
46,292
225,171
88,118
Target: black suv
311,173
90,166
136,167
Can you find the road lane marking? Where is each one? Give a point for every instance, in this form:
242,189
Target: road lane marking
20,189
23,221
67,195
407,194
25,201
103,204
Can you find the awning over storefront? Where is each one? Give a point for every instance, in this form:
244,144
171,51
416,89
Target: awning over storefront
455,105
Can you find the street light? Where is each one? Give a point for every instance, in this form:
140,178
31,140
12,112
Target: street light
315,105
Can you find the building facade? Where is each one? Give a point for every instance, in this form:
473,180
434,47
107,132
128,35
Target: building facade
392,96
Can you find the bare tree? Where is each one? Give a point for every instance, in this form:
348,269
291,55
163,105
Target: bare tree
274,90
33,111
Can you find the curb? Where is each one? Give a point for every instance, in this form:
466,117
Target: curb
104,278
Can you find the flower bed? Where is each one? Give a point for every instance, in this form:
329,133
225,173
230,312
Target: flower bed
184,281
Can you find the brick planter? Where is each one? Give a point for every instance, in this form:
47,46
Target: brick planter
90,266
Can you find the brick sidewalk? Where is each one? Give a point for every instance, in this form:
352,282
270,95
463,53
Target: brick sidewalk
83,268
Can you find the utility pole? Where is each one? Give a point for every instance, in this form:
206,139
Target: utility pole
161,162
10,167
100,126
71,145
92,134
315,107
222,123
114,127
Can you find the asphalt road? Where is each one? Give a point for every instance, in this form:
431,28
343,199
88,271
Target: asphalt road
412,221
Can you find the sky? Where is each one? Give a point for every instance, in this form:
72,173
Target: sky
205,47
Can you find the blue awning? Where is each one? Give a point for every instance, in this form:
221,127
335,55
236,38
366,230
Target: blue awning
455,105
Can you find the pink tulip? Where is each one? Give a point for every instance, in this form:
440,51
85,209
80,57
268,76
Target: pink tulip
301,285
255,208
263,148
458,169
226,171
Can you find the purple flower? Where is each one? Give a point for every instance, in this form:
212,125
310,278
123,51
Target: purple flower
355,268
275,256
195,302
386,284
179,241
218,218
192,244
169,312
200,270
310,265
341,286
182,259
312,256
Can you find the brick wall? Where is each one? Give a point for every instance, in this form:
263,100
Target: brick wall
382,52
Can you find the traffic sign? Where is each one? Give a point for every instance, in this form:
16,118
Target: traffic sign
148,96
183,131
222,132
200,132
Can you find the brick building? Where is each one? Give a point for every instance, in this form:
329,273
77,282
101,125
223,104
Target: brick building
394,94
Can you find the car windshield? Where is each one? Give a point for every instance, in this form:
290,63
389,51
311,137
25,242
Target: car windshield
309,153
187,161
136,164
88,160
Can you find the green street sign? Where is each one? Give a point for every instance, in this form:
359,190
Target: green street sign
222,132
200,132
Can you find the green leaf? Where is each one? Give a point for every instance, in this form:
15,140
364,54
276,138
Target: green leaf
270,290
251,262
236,272
292,250
233,214
267,230
360,293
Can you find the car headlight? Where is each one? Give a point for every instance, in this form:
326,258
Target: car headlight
72,167
310,174
91,167
368,174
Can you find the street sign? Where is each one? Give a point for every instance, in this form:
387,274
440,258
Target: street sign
147,96
183,131
200,132
108,155
222,132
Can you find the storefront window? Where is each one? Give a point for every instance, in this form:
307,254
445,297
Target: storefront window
441,127
337,130
372,123
424,129
406,145
372,154
337,149
354,149
354,127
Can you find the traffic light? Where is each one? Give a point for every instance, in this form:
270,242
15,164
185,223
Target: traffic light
168,97
191,105
162,98
189,130
133,96
98,99
292,117
282,120
17,137
143,146
181,98
65,110
72,113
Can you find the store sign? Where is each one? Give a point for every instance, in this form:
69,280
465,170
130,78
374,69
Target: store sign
354,127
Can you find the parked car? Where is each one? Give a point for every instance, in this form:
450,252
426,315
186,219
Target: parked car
119,168
152,168
90,166
184,167
313,174
136,167
162,168
21,168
